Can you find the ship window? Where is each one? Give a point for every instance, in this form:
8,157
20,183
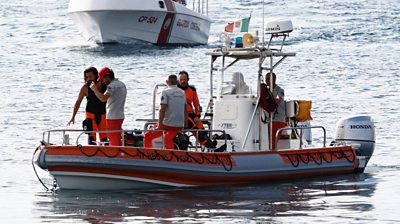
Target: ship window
161,4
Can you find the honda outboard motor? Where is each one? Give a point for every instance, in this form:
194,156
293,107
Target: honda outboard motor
358,131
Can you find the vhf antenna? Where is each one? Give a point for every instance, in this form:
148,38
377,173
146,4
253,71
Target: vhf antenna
263,41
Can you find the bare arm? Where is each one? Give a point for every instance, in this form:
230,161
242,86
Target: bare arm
82,94
102,97
161,115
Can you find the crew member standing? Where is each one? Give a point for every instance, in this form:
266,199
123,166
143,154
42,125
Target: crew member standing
115,96
193,110
95,109
172,115
279,116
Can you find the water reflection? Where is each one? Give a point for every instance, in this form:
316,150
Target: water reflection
260,202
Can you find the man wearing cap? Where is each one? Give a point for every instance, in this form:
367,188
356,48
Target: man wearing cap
172,116
115,96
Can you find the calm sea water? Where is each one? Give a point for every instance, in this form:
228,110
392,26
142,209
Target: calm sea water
347,62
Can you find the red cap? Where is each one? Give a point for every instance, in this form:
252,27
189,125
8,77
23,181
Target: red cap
104,71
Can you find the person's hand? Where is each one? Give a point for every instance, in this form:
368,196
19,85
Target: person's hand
93,86
71,121
196,120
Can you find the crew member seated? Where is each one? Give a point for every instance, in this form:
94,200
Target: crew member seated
236,86
240,85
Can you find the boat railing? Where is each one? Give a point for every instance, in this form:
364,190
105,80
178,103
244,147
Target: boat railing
200,6
155,98
280,130
47,136
150,122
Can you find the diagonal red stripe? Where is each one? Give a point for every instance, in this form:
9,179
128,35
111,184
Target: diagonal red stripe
166,27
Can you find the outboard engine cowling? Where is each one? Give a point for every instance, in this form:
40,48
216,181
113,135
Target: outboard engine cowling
357,130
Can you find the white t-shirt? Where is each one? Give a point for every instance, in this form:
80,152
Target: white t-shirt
280,114
116,102
175,100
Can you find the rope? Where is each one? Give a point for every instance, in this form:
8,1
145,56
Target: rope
80,148
319,157
216,159
34,169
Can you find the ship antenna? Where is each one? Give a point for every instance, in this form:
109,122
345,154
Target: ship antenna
263,42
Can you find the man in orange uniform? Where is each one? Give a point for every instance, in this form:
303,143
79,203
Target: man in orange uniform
193,110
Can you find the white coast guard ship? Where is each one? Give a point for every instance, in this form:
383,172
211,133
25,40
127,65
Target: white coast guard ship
160,22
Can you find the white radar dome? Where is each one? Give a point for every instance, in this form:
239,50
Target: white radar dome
279,26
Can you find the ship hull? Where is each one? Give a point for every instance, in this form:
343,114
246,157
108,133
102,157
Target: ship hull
139,21
111,168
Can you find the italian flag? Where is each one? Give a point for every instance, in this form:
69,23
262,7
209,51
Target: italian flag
239,26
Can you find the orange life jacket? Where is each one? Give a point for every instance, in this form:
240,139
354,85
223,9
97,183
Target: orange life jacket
192,100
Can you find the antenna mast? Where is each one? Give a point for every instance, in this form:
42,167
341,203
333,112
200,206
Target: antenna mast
263,42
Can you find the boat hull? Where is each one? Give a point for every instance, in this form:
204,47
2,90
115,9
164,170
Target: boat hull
111,168
139,21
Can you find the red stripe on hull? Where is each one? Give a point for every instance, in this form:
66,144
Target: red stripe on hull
209,159
111,150
330,155
195,179
166,27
